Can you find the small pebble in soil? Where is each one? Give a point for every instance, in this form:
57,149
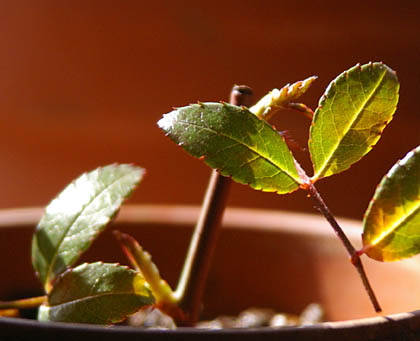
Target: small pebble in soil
249,318
312,314
151,318
257,317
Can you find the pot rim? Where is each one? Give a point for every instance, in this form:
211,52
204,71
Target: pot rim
406,322
181,215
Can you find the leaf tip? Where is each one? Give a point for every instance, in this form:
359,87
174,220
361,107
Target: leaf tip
166,122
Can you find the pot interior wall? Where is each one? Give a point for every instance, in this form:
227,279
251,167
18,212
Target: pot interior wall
264,259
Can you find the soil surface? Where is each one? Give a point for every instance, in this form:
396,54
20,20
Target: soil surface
250,318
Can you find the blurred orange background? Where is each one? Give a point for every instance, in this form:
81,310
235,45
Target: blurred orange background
83,83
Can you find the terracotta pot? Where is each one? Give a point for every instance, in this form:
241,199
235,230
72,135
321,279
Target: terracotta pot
264,258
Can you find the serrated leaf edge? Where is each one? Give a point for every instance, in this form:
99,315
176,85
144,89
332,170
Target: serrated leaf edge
407,216
69,270
250,149
170,115
318,175
51,265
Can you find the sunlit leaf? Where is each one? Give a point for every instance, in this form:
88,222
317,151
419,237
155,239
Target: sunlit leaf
392,220
237,143
77,215
96,293
351,116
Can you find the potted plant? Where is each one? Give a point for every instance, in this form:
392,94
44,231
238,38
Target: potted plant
238,142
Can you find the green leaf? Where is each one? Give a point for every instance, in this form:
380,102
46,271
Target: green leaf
392,220
75,218
237,143
351,116
96,293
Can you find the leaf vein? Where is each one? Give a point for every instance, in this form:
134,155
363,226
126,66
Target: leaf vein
76,218
242,144
350,124
394,227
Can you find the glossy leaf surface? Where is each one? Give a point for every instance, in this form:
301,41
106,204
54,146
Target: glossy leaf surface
77,215
392,221
237,143
351,116
96,293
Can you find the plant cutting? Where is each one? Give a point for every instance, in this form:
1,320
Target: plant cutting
236,140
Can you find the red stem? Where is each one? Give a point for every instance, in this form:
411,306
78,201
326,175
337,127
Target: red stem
354,255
